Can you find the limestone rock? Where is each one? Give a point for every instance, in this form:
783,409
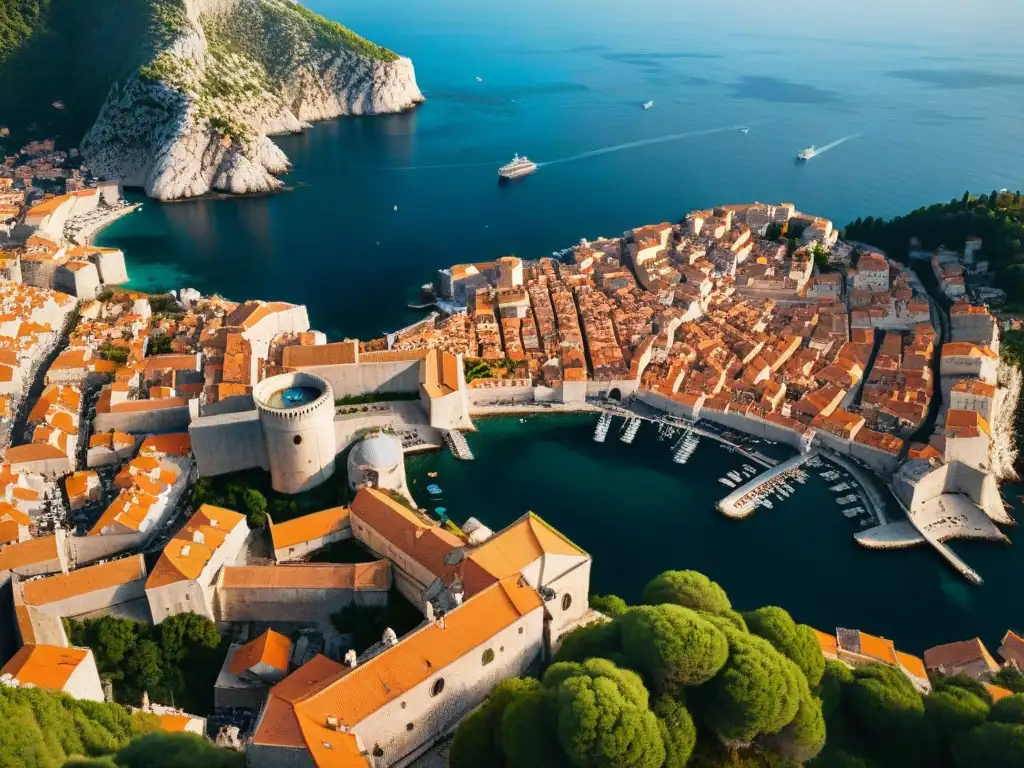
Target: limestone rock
231,73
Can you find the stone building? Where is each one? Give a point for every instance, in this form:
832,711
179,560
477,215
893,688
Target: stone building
68,670
377,462
249,670
967,657
303,592
392,708
183,579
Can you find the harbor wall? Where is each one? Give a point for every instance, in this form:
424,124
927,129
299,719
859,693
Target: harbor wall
666,404
1003,451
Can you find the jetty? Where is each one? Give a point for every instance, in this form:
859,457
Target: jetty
743,501
457,444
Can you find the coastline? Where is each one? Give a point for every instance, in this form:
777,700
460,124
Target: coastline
85,234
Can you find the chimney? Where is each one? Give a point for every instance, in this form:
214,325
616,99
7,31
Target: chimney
198,537
350,659
185,550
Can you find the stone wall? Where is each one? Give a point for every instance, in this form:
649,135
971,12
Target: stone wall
228,443
365,378
158,421
292,605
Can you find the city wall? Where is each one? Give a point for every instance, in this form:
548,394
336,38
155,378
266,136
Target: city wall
292,604
174,419
228,443
364,378
89,549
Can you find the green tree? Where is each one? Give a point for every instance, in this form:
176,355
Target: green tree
689,589
528,737
255,505
889,713
804,736
610,605
597,640
173,750
90,762
796,641
477,741
966,199
835,676
602,716
1008,710
992,745
758,690
1010,678
672,646
678,732
955,709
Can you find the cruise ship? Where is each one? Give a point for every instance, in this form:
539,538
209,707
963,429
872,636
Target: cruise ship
520,166
806,153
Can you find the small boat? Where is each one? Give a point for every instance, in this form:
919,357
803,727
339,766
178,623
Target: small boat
431,474
727,482
440,510
479,79
744,130
522,421
806,153
648,104
434,490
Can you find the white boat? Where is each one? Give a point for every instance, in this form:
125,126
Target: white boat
806,153
603,425
744,130
648,104
734,476
766,504
520,166
727,482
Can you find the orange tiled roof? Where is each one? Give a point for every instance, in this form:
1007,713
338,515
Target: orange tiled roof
19,454
508,552
338,353
82,581
174,723
913,665
270,648
997,692
957,654
877,648
45,666
308,527
184,558
827,643
40,550
376,575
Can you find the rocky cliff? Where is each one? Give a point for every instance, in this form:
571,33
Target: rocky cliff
222,77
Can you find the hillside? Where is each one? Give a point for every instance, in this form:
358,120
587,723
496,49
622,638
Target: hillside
19,19
222,77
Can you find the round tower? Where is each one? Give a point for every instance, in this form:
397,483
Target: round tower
297,416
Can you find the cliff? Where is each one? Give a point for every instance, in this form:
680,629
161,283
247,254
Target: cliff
223,76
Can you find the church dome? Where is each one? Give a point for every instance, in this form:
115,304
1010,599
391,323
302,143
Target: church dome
378,452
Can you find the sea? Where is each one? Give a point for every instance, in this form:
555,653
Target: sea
924,104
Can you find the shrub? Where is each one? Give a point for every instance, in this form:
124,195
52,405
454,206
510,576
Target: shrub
689,589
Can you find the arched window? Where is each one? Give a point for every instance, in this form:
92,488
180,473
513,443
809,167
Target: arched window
488,657
408,726
566,601
437,687
297,439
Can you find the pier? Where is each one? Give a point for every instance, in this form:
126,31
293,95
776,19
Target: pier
743,501
457,444
874,501
611,408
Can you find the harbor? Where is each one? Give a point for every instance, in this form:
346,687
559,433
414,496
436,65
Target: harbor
753,494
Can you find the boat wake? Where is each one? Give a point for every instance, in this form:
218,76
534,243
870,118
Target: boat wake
641,143
833,145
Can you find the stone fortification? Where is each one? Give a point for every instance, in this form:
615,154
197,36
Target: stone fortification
225,75
1003,452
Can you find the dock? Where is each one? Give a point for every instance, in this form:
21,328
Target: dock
457,444
742,502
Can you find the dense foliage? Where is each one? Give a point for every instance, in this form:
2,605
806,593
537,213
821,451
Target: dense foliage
685,680
18,20
992,217
175,662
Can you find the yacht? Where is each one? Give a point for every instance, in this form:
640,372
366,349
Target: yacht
727,482
806,153
735,476
648,104
520,166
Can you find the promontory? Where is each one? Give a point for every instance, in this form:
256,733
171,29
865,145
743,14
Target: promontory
219,78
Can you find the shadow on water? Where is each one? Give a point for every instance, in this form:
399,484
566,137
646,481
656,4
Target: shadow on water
957,79
782,91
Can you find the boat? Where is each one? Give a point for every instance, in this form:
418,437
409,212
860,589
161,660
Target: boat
434,490
648,104
766,504
520,166
431,474
727,482
744,130
806,153
604,423
735,476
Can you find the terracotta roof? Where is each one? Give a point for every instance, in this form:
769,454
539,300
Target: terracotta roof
997,692
508,552
863,644
1012,648
82,581
270,648
45,666
376,575
77,483
40,550
174,723
174,362
827,643
912,665
425,543
308,527
952,655
184,558
338,353
20,454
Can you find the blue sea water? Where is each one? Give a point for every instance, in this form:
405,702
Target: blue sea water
932,94
933,100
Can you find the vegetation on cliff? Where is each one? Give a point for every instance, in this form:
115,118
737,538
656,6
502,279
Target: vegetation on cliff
685,680
995,217
19,19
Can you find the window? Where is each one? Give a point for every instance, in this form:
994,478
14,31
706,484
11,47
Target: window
566,601
408,726
488,657
403,705
377,751
437,687
520,630
297,439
